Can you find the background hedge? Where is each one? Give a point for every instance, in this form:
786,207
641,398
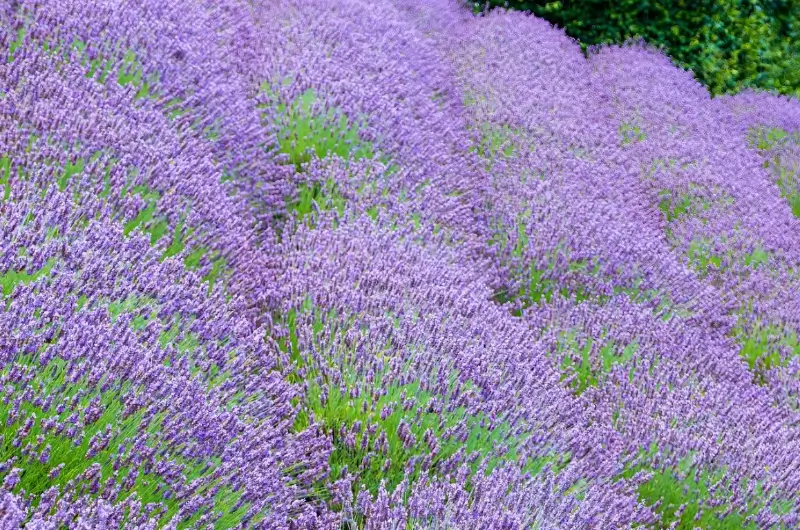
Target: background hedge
728,44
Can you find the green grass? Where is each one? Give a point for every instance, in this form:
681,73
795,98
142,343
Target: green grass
307,130
5,176
498,140
336,406
764,345
10,279
631,133
70,458
585,371
689,486
675,208
148,220
786,178
325,196
764,139
702,257
540,287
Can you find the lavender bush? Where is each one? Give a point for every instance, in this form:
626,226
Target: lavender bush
314,264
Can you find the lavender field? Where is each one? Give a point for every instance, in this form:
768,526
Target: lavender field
386,264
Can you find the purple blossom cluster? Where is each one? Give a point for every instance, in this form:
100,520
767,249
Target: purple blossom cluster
317,264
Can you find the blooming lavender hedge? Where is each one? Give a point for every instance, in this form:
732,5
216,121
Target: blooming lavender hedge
335,264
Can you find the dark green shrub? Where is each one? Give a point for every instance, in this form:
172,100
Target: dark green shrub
728,44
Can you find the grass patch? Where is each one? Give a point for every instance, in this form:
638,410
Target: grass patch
787,178
324,196
307,128
682,497
385,430
584,370
10,279
78,434
631,133
702,257
497,140
764,345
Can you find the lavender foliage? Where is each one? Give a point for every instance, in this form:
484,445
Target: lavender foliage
311,264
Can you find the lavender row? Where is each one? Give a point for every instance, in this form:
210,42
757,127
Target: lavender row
316,264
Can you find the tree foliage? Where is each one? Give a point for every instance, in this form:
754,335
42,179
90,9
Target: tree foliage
728,44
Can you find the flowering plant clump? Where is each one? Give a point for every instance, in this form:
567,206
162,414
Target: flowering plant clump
316,264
